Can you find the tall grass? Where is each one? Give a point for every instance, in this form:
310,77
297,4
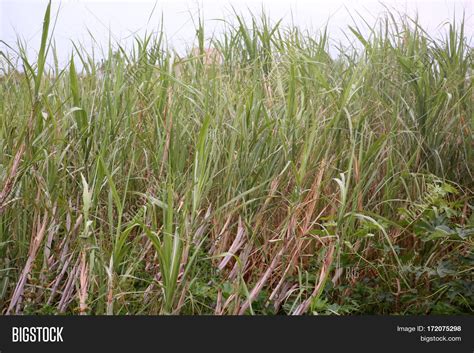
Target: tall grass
282,180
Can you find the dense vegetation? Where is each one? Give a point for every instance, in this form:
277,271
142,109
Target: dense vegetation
278,179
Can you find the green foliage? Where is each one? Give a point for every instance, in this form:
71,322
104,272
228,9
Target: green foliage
279,179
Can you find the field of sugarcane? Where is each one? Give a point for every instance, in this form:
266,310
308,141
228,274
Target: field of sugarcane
271,177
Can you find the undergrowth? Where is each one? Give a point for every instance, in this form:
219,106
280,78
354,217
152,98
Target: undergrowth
267,178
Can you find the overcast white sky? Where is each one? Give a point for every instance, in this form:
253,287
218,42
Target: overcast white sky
123,18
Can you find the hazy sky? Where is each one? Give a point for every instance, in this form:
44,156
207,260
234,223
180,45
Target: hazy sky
79,18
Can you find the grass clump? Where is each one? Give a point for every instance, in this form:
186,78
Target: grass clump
276,178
